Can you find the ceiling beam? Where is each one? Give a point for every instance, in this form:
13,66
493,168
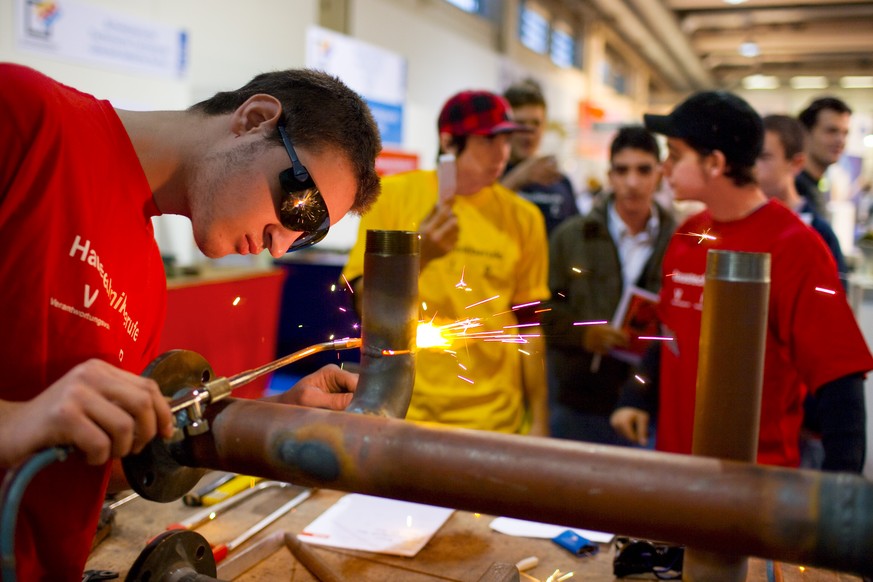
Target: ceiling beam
619,17
694,22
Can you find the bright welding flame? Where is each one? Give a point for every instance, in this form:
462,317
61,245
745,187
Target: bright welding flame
429,335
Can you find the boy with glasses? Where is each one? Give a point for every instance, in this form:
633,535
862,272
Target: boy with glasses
268,166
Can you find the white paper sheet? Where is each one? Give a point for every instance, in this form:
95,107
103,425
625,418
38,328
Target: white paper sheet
533,529
374,524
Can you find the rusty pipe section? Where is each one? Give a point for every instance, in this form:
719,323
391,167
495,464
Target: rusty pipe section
388,323
730,377
806,517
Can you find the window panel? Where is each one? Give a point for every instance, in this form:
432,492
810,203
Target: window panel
534,29
471,6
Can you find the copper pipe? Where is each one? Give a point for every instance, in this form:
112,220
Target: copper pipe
730,377
310,560
805,517
388,323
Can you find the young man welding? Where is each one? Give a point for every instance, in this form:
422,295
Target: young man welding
269,166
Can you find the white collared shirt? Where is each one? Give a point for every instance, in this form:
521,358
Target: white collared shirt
633,250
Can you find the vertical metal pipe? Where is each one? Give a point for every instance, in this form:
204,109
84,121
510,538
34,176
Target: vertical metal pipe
730,374
389,320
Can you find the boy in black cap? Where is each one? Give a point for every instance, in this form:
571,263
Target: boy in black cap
483,259
813,341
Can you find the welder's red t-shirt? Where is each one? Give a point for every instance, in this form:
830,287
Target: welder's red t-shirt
812,335
81,278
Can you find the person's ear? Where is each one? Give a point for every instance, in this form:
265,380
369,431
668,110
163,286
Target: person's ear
716,163
447,143
259,114
797,162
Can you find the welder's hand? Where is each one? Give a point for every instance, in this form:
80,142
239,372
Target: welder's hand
103,411
536,170
601,339
631,423
330,387
439,233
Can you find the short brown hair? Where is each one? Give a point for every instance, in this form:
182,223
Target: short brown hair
809,116
789,131
523,93
320,111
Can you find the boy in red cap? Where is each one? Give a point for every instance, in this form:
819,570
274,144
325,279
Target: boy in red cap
813,341
483,255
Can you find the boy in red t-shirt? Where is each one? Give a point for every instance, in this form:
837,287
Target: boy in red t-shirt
813,340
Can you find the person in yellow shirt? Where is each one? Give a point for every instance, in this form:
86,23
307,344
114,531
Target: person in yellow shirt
484,260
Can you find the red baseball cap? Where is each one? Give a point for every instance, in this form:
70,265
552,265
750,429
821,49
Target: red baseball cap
477,113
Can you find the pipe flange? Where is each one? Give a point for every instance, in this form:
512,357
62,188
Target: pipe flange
154,472
173,555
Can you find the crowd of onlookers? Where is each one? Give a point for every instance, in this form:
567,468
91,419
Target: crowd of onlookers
510,250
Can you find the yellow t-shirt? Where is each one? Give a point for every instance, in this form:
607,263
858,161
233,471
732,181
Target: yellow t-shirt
501,260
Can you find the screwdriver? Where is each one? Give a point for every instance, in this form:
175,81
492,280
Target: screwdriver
221,551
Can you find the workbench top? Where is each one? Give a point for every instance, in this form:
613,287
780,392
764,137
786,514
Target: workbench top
462,550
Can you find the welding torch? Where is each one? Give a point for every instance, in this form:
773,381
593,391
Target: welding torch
189,404
187,407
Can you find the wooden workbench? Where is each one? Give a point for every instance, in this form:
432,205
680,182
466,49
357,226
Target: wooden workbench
462,550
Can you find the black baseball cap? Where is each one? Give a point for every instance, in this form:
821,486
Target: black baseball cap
715,120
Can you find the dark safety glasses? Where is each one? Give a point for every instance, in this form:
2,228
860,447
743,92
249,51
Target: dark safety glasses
302,208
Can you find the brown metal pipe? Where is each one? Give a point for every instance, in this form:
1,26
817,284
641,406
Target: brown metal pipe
805,517
730,372
730,377
388,324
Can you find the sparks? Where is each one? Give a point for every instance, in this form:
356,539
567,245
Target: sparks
524,352
481,302
576,270
589,322
514,307
236,301
343,309
347,283
465,379
825,290
520,325
640,379
657,338
460,284
700,235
